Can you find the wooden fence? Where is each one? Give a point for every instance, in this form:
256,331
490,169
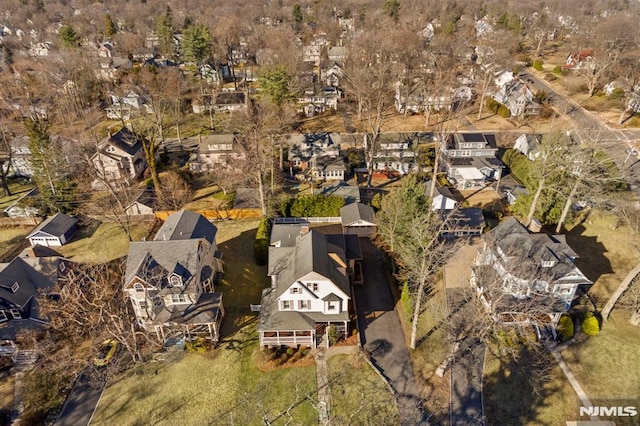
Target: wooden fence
219,214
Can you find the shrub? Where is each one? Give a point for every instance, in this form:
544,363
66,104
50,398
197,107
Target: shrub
333,335
296,357
617,93
504,112
261,245
407,299
312,205
590,325
197,345
557,70
492,105
376,201
550,77
565,328
537,64
290,351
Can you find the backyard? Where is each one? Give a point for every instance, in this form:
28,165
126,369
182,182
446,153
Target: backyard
12,239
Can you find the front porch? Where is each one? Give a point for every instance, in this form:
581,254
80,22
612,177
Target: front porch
323,335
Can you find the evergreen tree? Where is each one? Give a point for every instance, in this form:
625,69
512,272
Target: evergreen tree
196,44
274,84
109,27
68,37
297,16
164,31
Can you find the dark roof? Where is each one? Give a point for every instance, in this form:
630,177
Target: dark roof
56,225
32,275
456,139
286,233
356,211
154,260
125,140
185,225
467,218
531,249
230,98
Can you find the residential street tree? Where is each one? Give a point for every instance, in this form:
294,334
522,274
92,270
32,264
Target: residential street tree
176,191
165,34
68,37
410,230
109,27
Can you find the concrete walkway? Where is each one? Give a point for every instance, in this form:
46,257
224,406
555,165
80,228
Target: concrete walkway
556,351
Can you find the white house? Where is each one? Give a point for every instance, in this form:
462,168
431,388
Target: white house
310,295
56,231
528,145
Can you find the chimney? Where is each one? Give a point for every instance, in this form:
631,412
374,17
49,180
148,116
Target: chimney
535,226
304,229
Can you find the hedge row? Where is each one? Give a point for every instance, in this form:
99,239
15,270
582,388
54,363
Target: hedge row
261,246
312,206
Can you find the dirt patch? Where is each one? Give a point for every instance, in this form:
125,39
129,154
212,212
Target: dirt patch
276,359
486,198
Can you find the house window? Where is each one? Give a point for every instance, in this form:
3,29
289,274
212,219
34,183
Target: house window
142,305
295,290
139,288
175,281
15,287
465,153
3,316
286,304
15,314
313,286
179,298
62,267
304,304
331,306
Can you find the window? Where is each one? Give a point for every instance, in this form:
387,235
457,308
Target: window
175,281
139,288
15,287
286,304
331,306
142,305
304,304
313,286
3,316
295,290
465,153
15,314
62,267
179,298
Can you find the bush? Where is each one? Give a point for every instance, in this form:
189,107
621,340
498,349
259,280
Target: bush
376,201
261,245
492,105
197,345
565,328
617,93
333,335
537,64
407,299
504,112
311,206
296,357
291,351
550,77
590,325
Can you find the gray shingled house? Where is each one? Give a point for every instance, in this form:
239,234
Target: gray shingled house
55,231
170,279
523,277
33,273
310,291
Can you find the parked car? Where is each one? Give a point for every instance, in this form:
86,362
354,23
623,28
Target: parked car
105,352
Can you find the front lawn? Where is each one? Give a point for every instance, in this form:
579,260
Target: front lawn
17,189
223,386
11,239
358,394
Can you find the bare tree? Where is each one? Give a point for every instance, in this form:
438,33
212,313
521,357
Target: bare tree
91,303
176,192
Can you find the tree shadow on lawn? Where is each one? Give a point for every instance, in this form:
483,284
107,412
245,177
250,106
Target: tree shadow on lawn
516,393
592,260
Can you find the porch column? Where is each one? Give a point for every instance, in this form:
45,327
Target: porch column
210,332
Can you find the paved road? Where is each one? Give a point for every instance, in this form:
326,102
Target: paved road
618,141
382,336
82,402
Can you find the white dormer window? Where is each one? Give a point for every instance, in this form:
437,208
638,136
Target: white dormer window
15,314
62,267
175,281
3,316
548,263
177,299
15,287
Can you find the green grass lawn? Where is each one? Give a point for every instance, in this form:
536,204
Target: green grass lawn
358,394
223,386
606,365
509,396
107,242
11,237
17,190
210,197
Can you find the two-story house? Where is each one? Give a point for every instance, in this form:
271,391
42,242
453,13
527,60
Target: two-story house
120,157
316,99
170,279
215,151
470,159
396,152
524,277
514,93
319,153
310,294
31,275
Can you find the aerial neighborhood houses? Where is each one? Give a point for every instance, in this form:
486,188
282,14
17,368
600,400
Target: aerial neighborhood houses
119,157
216,151
523,277
470,159
515,94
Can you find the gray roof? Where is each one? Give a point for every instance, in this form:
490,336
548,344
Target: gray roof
356,211
532,249
205,310
286,233
154,260
466,218
125,140
272,319
310,254
185,225
56,225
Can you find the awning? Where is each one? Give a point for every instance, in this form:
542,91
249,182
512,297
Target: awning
470,173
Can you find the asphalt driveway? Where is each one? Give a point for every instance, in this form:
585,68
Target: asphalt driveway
82,401
381,335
